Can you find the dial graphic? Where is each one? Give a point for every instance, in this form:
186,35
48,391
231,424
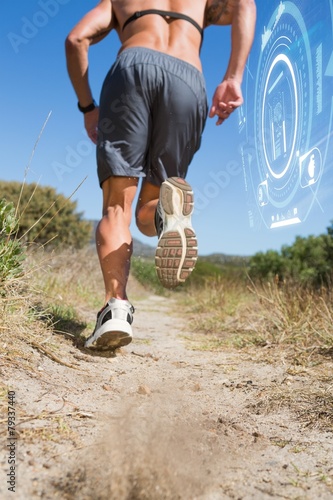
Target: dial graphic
288,134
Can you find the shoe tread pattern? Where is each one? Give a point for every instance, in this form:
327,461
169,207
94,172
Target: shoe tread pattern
110,341
174,263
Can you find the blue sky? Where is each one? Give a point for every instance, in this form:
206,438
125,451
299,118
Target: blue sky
35,87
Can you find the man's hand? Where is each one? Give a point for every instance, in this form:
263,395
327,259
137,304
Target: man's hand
227,97
241,14
91,123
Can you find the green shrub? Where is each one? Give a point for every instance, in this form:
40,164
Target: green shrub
11,250
144,271
45,216
265,266
307,262
203,272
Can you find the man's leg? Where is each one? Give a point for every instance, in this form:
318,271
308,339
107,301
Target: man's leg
146,208
113,237
114,247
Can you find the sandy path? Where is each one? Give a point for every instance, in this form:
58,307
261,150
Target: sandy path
160,421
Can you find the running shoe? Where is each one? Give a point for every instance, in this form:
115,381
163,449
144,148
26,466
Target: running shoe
113,327
177,248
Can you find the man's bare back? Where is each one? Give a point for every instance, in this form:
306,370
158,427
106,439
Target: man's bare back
176,37
169,35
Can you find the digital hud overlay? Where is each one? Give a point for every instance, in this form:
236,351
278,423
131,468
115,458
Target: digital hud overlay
286,122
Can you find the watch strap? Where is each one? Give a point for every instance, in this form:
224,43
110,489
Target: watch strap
86,109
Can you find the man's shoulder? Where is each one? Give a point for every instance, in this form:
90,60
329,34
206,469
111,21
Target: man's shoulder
219,12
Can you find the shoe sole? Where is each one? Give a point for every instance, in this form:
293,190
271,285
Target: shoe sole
177,248
113,334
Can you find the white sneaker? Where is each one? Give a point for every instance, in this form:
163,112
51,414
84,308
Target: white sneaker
113,327
177,248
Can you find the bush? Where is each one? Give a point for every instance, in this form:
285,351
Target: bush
11,250
203,272
144,271
44,215
307,262
265,266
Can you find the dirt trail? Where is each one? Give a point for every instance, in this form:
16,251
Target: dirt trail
160,421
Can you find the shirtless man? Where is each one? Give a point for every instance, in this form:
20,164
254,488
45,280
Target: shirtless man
149,122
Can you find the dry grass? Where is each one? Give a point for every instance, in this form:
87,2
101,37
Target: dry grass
70,277
293,315
20,326
214,304
54,297
284,317
281,325
313,406
50,297
60,293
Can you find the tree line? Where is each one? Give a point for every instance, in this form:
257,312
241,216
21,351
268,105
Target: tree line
308,261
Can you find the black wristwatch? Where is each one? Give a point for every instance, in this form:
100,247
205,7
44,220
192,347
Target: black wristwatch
88,108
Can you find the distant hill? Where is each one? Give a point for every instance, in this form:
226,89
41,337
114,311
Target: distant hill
143,250
222,259
139,249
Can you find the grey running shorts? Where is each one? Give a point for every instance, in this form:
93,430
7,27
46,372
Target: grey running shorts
153,109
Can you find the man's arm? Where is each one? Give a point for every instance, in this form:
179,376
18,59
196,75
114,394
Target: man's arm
92,28
241,14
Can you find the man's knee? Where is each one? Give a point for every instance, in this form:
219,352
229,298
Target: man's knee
117,216
119,193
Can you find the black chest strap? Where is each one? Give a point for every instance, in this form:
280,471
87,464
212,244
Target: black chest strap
164,13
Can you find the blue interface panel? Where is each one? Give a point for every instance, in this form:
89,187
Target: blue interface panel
286,122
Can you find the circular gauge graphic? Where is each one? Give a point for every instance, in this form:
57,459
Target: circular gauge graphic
289,129
278,131
283,103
